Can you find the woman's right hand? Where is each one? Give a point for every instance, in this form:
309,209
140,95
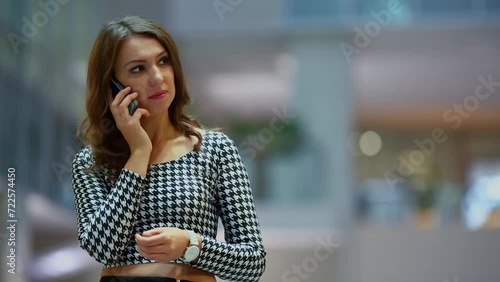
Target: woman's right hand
130,126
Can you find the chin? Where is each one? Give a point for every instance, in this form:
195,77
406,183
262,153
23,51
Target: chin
158,112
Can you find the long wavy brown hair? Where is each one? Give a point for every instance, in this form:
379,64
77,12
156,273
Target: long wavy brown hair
98,128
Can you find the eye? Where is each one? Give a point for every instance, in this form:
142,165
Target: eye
164,61
137,69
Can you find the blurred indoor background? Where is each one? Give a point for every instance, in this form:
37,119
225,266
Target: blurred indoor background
370,129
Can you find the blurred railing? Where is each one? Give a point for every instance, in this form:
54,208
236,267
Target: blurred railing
418,9
36,129
34,136
41,89
245,18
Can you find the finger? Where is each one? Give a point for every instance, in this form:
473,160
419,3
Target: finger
151,232
137,115
144,236
144,254
149,241
161,258
159,249
161,254
119,97
126,101
155,240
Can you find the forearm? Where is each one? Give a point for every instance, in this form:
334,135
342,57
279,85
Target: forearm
106,220
107,232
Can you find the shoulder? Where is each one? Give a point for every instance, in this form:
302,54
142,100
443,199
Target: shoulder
216,140
85,156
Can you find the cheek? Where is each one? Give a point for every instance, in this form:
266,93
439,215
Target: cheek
169,76
142,99
141,90
171,84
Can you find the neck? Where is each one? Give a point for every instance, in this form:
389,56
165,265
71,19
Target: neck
159,129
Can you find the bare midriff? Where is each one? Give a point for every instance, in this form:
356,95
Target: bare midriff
176,271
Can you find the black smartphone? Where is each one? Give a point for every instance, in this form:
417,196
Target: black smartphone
116,87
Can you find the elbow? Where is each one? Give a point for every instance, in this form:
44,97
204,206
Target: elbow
251,274
101,253
262,267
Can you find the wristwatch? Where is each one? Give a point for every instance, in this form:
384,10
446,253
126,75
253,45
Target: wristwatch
192,251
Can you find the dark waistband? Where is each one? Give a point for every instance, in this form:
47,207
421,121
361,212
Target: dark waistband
138,279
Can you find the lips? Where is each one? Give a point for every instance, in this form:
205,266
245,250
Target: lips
158,95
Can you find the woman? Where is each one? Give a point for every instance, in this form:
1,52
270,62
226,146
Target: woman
150,187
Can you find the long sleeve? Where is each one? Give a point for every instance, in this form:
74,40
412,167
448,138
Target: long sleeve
105,214
242,256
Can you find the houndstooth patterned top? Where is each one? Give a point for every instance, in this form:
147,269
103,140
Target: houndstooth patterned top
191,192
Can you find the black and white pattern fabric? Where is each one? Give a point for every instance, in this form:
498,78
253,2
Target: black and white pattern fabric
191,192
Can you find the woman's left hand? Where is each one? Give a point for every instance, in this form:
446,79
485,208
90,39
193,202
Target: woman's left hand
163,244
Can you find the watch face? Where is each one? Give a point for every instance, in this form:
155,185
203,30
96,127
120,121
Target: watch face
191,253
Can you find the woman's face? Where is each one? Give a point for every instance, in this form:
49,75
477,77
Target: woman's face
143,64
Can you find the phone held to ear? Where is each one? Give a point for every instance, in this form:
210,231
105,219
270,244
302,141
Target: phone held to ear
116,87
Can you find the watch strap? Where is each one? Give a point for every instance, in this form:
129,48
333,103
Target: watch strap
193,239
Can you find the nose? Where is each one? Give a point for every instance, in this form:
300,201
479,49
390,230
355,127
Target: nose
156,76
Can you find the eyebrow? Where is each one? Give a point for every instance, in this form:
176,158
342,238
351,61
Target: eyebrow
141,61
